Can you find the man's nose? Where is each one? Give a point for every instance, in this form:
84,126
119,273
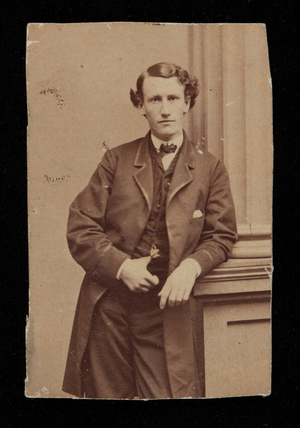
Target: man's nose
165,108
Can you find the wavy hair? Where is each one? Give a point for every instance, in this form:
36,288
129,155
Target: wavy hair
167,70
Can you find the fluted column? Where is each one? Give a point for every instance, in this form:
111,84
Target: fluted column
234,120
248,135
234,143
196,116
214,120
258,128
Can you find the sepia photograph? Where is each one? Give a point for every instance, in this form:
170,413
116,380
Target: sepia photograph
150,169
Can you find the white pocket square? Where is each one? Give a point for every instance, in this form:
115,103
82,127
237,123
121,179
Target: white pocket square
197,214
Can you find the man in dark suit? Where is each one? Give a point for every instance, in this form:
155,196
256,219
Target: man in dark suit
156,215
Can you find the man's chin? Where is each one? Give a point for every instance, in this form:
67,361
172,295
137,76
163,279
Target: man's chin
166,136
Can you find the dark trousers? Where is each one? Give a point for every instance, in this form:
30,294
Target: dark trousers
125,355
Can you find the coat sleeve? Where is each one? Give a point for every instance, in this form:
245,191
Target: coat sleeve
219,231
88,243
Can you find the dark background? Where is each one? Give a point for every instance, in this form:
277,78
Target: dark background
277,410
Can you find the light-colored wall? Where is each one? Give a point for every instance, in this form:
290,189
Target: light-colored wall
90,68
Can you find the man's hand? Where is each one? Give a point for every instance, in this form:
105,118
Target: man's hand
136,276
178,286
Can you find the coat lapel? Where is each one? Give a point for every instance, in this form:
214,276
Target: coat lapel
144,176
182,174
181,177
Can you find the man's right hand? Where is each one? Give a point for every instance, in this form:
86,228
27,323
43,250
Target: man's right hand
136,276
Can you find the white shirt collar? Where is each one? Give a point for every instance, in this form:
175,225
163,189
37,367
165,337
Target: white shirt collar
177,141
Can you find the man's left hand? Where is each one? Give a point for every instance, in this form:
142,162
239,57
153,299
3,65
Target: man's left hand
178,286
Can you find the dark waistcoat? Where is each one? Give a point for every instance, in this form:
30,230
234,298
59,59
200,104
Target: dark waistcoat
155,232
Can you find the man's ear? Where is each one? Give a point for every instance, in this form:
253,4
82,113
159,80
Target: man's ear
141,109
187,105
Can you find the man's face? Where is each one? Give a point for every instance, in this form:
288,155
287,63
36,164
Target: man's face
164,106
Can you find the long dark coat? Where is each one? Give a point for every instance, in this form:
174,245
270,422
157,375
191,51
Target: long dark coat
107,219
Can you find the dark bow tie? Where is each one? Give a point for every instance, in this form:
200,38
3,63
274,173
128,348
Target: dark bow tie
168,149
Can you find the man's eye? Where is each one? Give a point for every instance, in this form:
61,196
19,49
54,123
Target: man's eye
172,98
155,100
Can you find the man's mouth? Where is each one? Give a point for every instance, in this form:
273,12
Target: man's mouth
166,121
